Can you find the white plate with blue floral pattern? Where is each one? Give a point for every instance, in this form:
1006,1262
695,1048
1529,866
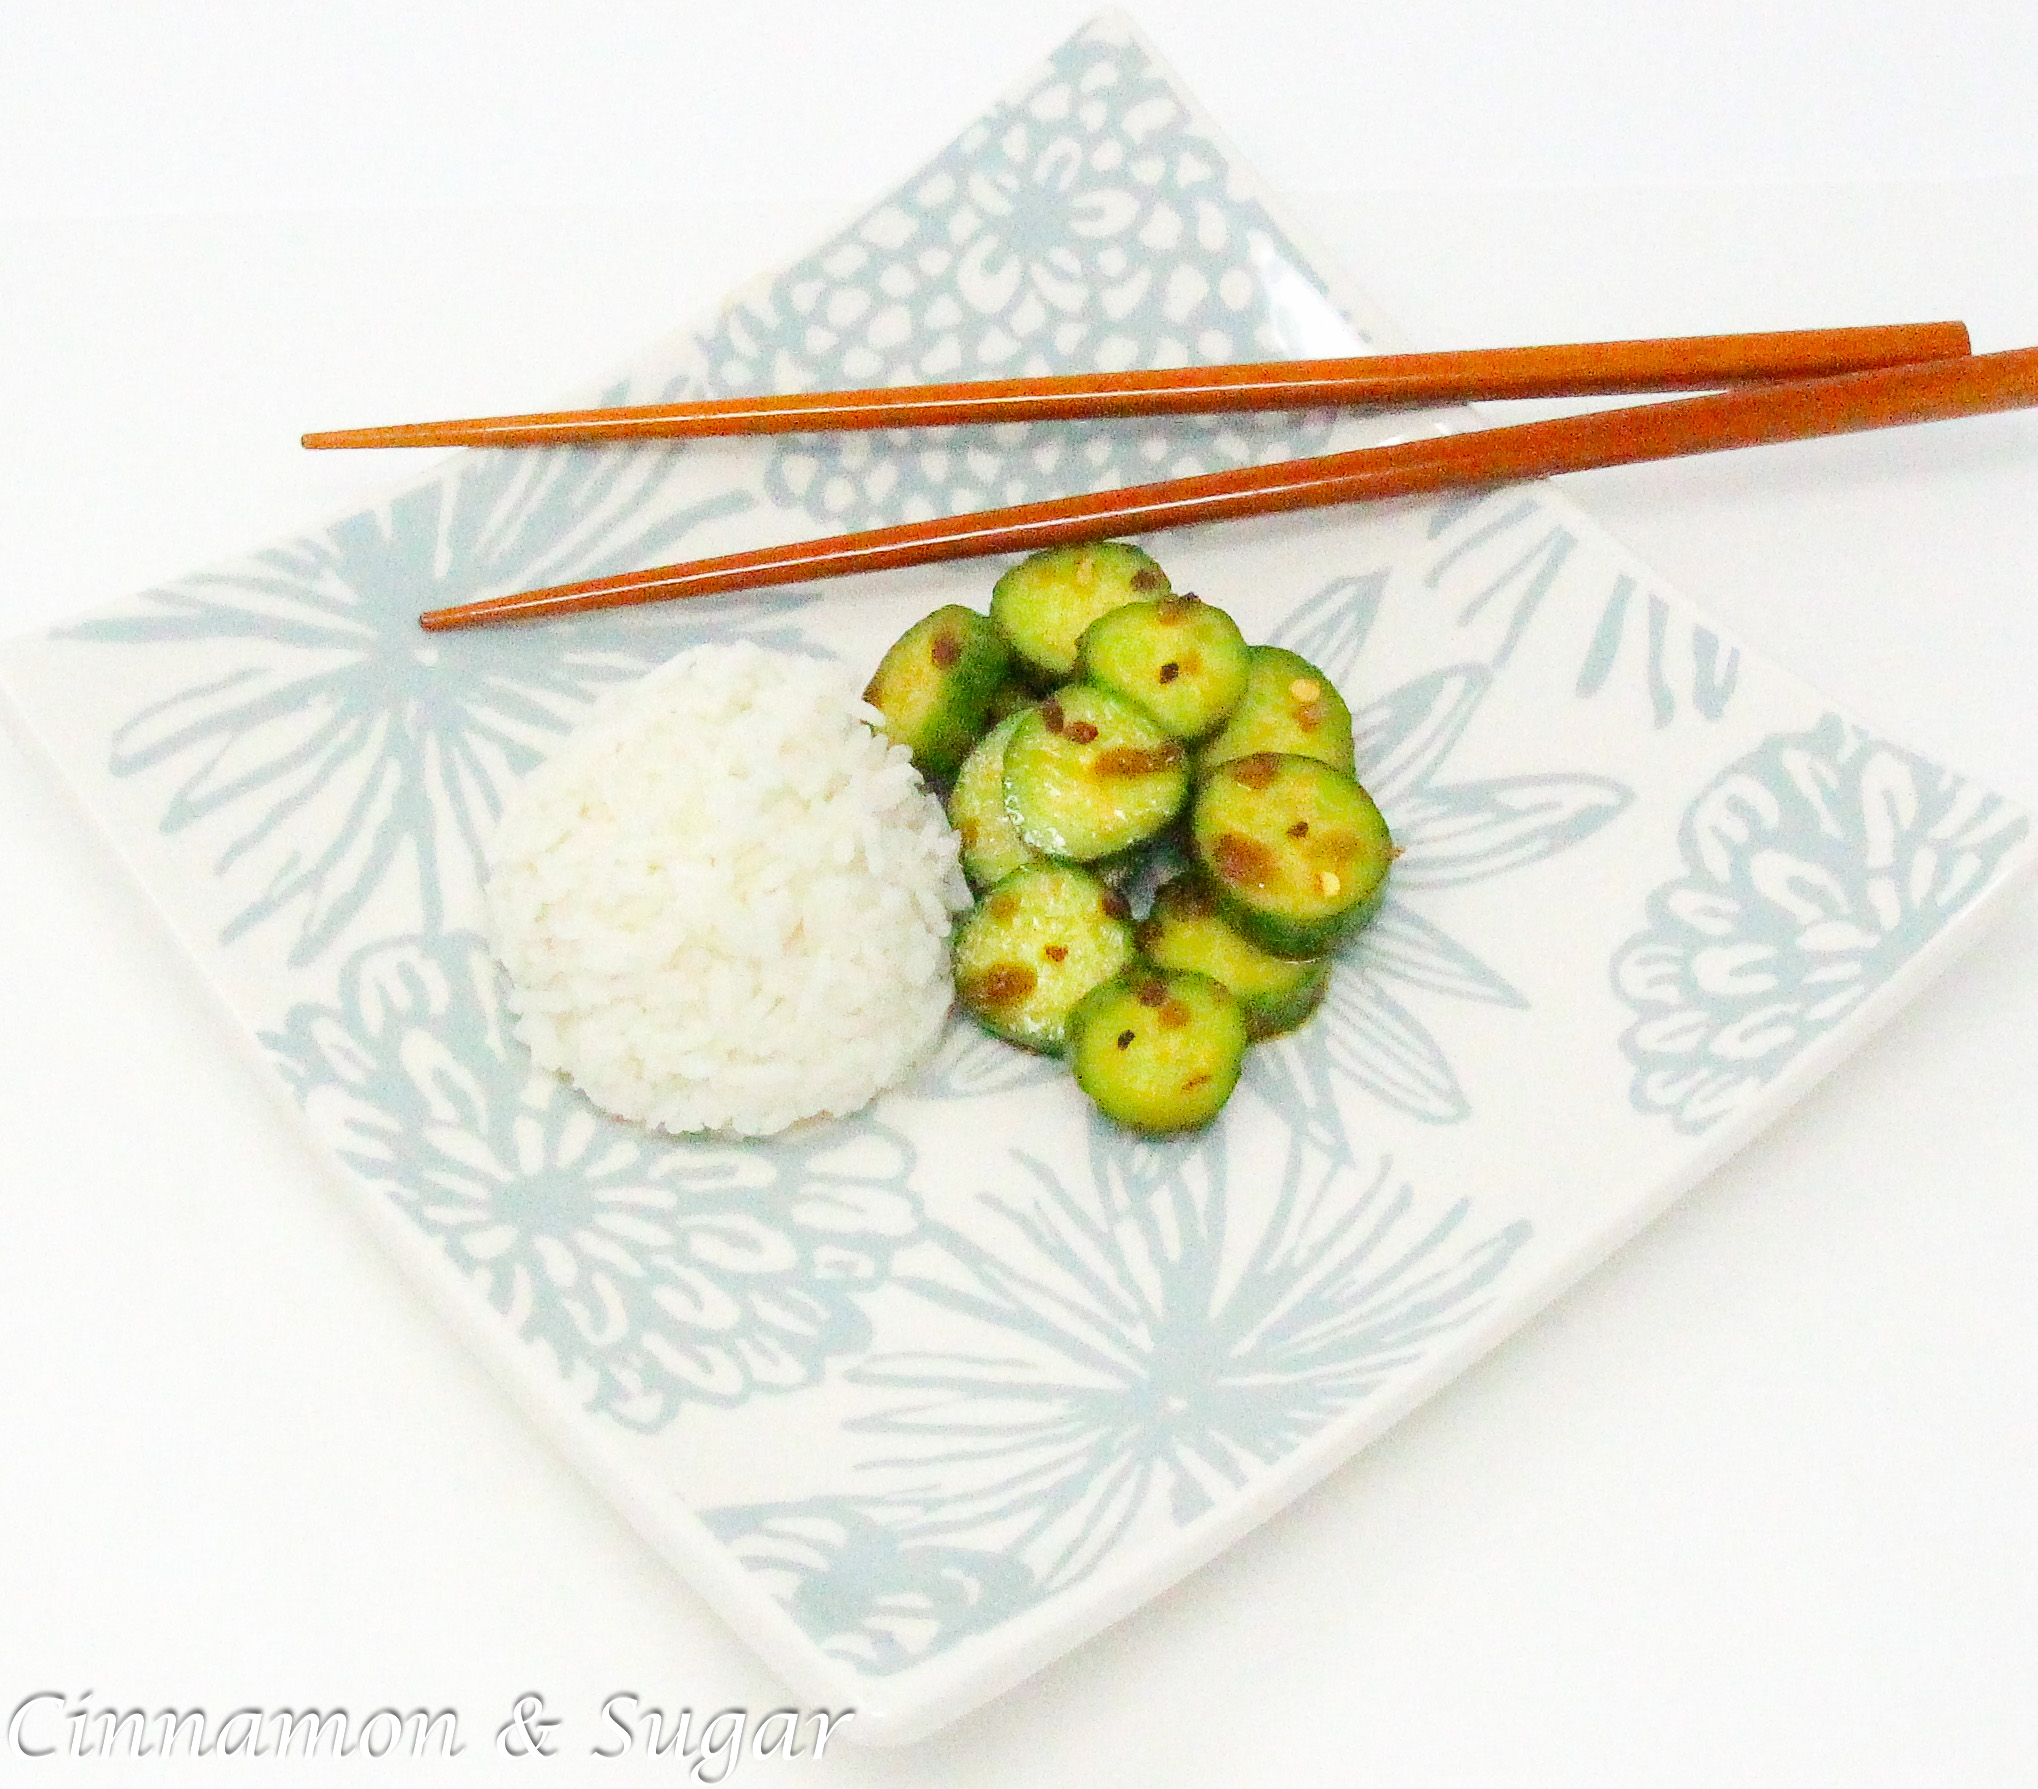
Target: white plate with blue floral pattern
922,1398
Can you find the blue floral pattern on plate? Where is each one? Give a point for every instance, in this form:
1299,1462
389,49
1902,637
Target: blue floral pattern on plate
655,1274
1138,1341
1087,224
1815,868
877,1601
329,747
1512,559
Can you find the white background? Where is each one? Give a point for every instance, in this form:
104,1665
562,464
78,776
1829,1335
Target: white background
1754,1505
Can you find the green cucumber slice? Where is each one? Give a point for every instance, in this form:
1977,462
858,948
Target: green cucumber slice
1180,659
1032,947
991,846
1288,706
1185,930
1294,848
1158,1049
1088,774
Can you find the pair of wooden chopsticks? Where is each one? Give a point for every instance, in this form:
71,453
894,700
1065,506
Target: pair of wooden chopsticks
1792,385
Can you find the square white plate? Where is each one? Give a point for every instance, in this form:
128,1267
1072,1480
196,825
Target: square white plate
922,1399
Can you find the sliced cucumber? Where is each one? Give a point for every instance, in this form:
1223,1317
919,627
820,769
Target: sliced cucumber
1288,706
1294,848
1088,773
1034,946
1185,930
1180,659
1158,1049
1043,603
991,846
934,687
1071,805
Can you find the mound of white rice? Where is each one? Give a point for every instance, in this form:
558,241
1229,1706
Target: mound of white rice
724,901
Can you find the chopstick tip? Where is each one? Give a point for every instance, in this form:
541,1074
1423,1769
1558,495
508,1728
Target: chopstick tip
402,435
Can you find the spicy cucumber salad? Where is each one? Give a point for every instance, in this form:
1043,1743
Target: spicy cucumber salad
1099,736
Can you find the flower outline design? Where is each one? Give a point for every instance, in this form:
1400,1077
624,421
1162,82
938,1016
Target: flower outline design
1140,1341
1089,224
338,756
1816,866
655,1274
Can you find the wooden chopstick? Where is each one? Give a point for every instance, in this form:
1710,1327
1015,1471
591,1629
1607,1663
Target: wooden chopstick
1787,411
1583,369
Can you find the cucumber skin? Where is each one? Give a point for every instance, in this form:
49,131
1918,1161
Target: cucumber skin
983,870
947,735
1275,1015
1296,938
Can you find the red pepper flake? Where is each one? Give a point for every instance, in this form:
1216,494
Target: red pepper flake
1194,1082
1170,671
1125,1039
1056,953
1082,732
1300,830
